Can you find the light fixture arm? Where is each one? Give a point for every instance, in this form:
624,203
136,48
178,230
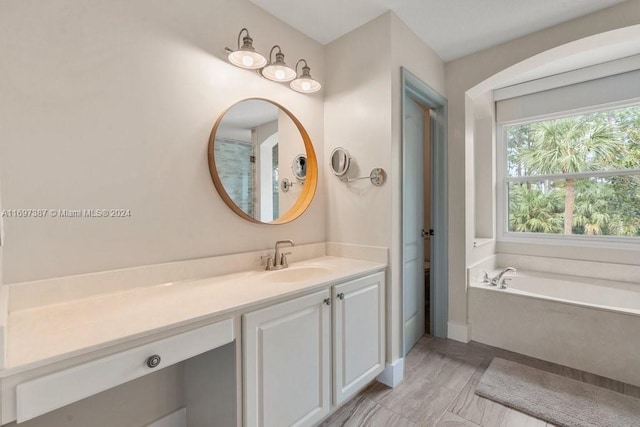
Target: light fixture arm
377,177
240,35
298,63
271,53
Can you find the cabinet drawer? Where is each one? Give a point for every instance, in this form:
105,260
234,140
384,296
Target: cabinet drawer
44,394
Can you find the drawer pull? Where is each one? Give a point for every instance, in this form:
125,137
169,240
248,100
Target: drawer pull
327,301
340,295
153,361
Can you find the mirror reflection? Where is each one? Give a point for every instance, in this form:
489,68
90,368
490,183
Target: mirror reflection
299,167
340,161
255,142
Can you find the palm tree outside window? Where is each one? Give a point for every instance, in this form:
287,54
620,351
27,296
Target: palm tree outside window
574,175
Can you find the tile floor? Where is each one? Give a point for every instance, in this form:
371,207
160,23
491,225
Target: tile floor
438,390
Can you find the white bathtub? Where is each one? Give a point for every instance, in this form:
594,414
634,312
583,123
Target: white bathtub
591,325
607,295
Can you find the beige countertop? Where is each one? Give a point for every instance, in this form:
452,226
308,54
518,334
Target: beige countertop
42,335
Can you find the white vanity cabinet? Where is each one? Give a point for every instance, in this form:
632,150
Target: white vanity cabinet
37,396
286,352
358,334
288,347
280,348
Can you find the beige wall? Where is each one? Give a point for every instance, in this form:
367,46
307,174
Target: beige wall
363,115
407,51
358,118
462,75
110,105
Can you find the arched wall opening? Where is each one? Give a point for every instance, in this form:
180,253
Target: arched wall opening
619,46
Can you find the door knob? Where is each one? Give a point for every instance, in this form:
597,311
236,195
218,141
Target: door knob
426,233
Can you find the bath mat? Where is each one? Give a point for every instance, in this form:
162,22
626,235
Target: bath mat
556,399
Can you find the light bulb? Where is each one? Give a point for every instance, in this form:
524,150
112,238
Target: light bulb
247,61
306,86
279,74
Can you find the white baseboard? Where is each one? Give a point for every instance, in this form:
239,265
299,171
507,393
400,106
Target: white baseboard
174,419
393,373
459,332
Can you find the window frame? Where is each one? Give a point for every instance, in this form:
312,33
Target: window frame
502,187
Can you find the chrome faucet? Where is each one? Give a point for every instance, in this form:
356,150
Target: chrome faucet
498,280
279,260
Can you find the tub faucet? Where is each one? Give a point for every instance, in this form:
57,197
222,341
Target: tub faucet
279,260
498,279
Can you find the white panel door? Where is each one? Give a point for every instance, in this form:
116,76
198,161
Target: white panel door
286,362
412,224
359,334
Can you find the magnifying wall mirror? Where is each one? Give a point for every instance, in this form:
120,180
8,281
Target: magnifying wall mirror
251,145
340,161
299,167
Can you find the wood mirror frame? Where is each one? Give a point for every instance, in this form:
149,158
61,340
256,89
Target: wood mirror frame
310,183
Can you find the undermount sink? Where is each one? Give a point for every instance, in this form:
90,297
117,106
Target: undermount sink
297,274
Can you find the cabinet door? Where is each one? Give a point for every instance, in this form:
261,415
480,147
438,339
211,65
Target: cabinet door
286,362
359,334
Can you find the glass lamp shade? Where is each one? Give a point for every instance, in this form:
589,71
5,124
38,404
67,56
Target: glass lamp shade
305,83
247,58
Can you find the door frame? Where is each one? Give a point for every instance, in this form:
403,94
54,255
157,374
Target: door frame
419,91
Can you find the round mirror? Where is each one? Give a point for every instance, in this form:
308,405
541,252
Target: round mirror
340,161
299,167
250,144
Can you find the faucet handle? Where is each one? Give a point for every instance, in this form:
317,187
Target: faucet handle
283,259
270,262
504,282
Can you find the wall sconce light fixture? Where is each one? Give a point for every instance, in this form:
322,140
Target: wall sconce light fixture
278,71
246,56
304,83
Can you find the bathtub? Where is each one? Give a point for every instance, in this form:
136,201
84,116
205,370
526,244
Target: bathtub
600,294
587,324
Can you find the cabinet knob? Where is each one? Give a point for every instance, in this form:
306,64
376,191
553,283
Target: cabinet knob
153,361
327,301
340,295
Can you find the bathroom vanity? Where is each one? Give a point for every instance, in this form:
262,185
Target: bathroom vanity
257,347
245,346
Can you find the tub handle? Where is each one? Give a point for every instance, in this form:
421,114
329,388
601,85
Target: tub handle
503,283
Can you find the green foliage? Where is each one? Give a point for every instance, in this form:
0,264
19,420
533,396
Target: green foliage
591,213
533,210
602,141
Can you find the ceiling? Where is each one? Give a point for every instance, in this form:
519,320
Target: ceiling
453,28
249,114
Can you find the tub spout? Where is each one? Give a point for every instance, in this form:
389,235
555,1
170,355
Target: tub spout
498,280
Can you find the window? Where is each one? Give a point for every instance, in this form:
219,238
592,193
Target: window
575,175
